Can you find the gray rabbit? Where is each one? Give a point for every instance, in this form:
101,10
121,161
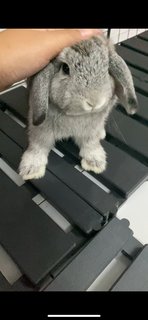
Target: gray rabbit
72,97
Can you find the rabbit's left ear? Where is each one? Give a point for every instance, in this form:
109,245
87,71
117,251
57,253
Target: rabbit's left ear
38,87
124,87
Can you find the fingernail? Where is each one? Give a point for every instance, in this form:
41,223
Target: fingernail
89,32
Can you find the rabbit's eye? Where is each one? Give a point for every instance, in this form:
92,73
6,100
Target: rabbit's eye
65,68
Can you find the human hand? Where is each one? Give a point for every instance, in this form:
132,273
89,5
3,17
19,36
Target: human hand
23,52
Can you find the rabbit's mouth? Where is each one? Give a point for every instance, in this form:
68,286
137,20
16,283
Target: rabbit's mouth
85,107
89,106
84,112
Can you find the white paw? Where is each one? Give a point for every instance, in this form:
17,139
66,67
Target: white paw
29,173
33,165
95,162
95,166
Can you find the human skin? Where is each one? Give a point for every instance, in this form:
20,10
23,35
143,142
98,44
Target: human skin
23,52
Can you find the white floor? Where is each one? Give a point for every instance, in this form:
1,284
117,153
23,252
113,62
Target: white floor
135,209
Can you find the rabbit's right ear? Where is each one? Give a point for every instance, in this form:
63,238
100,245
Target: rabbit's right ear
124,87
38,87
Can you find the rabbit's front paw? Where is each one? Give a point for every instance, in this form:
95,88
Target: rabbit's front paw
33,165
96,162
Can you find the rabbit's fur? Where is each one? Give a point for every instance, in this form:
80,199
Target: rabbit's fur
72,97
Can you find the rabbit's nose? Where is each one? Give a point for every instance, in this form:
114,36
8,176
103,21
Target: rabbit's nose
90,104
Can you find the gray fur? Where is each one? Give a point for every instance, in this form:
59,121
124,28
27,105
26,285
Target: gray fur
76,105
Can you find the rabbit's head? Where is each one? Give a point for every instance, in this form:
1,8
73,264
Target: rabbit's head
82,83
83,79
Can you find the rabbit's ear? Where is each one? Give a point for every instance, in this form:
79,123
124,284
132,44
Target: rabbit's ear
124,87
38,87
